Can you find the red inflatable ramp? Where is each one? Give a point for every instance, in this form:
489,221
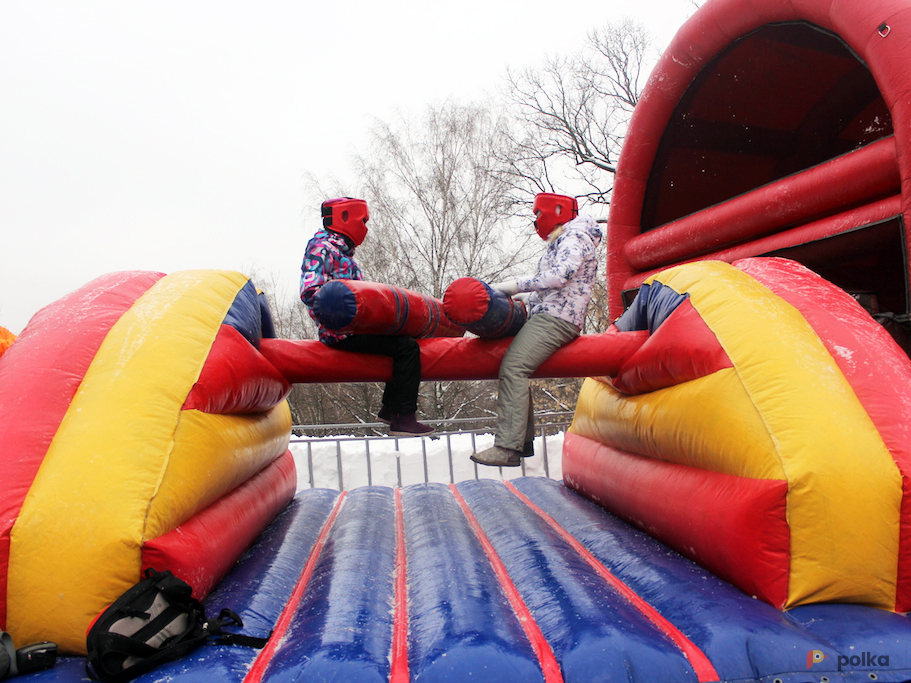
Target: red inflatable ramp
199,557
362,307
447,359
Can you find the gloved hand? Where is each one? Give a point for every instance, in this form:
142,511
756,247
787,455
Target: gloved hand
508,288
522,296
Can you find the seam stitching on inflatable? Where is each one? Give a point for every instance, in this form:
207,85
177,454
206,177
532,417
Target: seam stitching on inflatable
541,647
284,620
705,672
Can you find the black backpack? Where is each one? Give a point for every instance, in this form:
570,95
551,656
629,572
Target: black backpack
156,621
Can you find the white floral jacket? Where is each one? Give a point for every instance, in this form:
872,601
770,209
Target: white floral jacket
562,287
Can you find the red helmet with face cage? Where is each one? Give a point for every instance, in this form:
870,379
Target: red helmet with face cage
553,210
346,216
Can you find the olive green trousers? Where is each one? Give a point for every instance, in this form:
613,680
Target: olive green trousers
539,337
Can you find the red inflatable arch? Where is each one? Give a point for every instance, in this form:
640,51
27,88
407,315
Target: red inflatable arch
773,128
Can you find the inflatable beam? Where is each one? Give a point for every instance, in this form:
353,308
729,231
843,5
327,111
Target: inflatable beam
134,407
303,361
816,231
483,311
363,307
763,430
852,179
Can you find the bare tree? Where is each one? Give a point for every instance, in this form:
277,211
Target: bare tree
572,113
439,207
440,210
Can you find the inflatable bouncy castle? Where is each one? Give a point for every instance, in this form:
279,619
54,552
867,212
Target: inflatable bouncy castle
735,503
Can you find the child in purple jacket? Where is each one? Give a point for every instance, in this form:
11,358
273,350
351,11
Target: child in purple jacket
330,256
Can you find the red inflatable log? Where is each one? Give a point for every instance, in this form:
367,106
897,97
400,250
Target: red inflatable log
483,311
363,307
854,178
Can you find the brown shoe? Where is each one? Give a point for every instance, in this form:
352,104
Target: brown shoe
385,415
406,424
497,456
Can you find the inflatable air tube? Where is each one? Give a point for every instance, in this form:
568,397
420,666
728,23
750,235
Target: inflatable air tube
483,311
448,359
361,307
852,179
131,409
763,430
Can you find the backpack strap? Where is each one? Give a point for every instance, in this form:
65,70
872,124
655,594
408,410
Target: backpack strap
148,663
228,617
7,656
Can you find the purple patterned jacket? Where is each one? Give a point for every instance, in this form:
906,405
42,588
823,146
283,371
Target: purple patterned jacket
328,257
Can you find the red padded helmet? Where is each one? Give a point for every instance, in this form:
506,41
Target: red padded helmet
347,216
552,211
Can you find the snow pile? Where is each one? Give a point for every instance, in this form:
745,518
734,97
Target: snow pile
404,461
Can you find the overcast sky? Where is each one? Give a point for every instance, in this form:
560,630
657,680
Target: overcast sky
172,135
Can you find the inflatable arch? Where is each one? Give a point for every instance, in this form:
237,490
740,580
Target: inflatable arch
773,128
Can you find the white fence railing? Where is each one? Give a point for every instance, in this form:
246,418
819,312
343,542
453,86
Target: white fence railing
338,458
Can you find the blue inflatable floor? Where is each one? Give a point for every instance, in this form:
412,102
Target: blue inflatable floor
521,581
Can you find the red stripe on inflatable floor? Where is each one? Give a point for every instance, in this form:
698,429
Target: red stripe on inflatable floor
539,644
255,675
400,625
705,672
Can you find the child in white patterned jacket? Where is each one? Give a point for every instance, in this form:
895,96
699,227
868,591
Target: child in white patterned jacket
560,292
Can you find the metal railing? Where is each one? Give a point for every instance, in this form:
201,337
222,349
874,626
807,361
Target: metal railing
314,453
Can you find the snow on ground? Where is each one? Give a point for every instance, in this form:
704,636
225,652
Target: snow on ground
402,461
